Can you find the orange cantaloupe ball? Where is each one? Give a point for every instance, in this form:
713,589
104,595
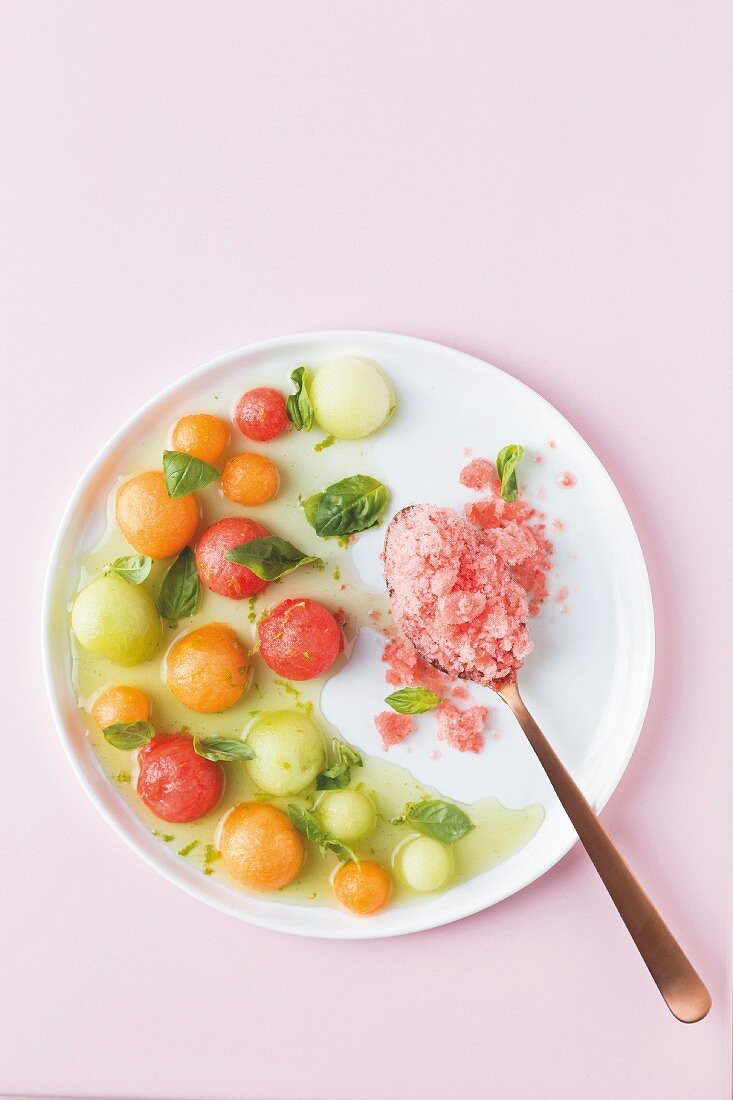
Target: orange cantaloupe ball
363,888
152,523
260,847
249,479
120,704
202,435
208,668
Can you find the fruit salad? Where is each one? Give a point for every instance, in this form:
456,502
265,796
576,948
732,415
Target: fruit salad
219,600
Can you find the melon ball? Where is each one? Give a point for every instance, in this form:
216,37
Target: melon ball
208,669
362,888
288,749
226,578
116,620
152,522
174,782
260,847
351,397
348,815
424,864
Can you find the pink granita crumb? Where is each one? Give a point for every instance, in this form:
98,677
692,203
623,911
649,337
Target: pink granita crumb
558,525
375,615
479,474
541,493
461,729
407,668
566,480
434,754
562,594
460,691
538,459
552,444
466,451
393,728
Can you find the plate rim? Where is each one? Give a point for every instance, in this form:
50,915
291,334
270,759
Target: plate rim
361,930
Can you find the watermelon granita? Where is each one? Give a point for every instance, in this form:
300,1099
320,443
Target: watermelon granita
453,597
462,592
515,532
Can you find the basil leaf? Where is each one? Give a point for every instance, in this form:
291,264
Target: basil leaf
222,748
339,774
506,468
184,474
181,588
306,822
438,819
270,557
348,506
134,569
309,506
128,735
412,700
299,406
342,851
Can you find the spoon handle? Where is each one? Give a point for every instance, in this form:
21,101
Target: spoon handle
678,982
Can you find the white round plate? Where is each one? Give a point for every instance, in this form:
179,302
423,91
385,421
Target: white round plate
587,683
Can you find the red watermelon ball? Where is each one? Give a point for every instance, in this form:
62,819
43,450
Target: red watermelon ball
225,577
300,639
261,414
174,782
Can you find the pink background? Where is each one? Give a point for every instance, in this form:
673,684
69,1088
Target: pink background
542,184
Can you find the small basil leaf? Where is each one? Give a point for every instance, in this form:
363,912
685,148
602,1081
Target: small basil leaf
184,473
181,588
306,822
438,819
506,468
270,557
339,774
222,748
134,569
299,406
128,735
343,851
333,779
412,700
351,505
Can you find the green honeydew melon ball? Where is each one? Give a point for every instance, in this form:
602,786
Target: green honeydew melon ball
289,752
117,621
348,815
351,397
424,864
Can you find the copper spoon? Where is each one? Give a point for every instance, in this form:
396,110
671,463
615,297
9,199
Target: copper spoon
677,980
